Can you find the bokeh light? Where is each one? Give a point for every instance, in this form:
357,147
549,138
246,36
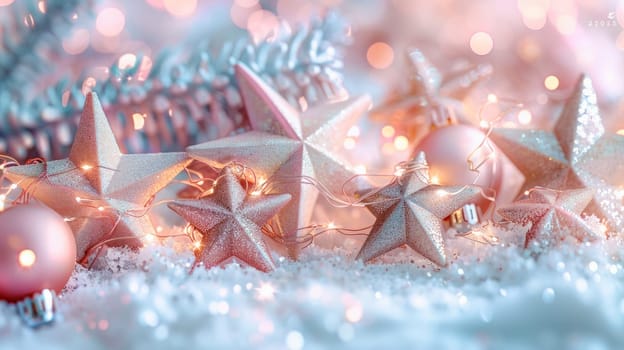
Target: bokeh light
401,143
481,43
380,55
110,22
180,8
524,117
26,258
6,2
240,15
262,24
534,13
551,82
388,131
126,61
77,42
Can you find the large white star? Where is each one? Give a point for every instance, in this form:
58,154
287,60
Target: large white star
286,146
578,153
103,191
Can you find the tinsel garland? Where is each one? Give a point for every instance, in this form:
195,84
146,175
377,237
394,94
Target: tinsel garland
184,99
34,31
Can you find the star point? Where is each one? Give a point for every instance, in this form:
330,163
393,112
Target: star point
286,146
100,188
552,214
409,211
578,153
231,223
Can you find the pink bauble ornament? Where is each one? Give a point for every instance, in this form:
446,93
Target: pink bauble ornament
37,251
448,149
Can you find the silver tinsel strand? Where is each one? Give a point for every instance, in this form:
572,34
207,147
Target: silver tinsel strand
185,99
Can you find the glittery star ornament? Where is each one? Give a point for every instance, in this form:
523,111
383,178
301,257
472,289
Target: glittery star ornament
285,146
410,211
576,154
429,98
102,191
553,215
231,221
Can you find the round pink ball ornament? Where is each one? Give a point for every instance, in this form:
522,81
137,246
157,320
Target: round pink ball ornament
37,251
447,150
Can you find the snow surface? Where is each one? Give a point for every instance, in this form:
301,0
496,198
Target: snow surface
490,297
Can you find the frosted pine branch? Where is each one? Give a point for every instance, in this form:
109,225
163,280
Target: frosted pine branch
32,32
185,98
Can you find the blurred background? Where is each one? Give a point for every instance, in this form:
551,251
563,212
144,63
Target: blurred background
536,50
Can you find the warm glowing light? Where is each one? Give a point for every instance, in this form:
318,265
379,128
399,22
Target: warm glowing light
380,55
303,103
110,22
88,84
533,14
262,24
197,245
149,238
138,120
529,49
77,42
180,8
388,131
86,167
126,61
566,24
6,2
620,132
354,313
331,225
401,143
484,124
265,292
360,169
492,98
551,82
2,199
354,131
26,258
349,143
78,199
441,193
434,180
159,229
481,43
524,117
100,208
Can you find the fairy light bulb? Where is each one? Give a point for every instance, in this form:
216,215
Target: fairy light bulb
26,258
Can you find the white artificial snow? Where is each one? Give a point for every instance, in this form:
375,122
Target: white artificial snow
490,297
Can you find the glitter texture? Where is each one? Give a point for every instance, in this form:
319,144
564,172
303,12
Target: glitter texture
410,211
576,154
553,215
428,97
285,146
101,191
230,221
